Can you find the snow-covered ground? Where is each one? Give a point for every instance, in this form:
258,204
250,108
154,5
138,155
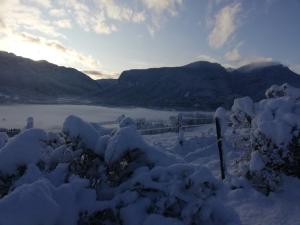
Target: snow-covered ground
51,117
86,174
253,208
53,201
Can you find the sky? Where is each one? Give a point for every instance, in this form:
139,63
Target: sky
105,37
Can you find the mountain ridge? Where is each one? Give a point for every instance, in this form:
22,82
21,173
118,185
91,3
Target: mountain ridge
198,85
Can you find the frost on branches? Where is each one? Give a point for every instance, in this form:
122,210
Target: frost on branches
90,175
267,132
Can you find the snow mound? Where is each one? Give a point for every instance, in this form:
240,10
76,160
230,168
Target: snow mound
76,128
244,104
42,203
126,122
256,162
102,145
24,149
127,139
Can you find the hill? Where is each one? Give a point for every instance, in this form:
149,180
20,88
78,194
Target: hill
25,80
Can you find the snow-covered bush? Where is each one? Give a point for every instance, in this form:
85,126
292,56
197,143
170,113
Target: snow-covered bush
276,91
268,132
127,122
177,194
242,112
77,129
29,123
3,139
84,176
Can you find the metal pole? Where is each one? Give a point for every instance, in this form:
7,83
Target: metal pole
220,147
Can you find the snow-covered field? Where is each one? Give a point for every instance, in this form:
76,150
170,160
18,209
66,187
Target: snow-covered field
51,117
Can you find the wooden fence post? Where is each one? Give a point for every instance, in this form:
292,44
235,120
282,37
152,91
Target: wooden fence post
180,129
220,147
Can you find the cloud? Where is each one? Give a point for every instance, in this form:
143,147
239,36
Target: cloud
120,12
98,16
161,6
234,54
16,15
159,11
64,23
225,24
30,38
42,41
57,12
139,17
250,60
255,59
207,58
96,74
295,68
42,3
40,48
89,19
2,25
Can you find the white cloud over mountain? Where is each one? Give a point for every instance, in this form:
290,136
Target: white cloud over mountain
224,25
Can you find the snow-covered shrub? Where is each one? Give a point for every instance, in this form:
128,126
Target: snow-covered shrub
22,150
241,116
127,151
276,91
268,132
86,165
78,130
3,139
242,112
127,122
84,176
105,216
177,194
29,123
7,181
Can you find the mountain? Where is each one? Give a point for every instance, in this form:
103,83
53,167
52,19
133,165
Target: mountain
199,85
25,80
105,83
253,79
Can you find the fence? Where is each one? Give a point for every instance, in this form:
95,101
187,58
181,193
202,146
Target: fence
177,123
180,123
10,132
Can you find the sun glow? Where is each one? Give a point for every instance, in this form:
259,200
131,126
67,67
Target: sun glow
35,51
